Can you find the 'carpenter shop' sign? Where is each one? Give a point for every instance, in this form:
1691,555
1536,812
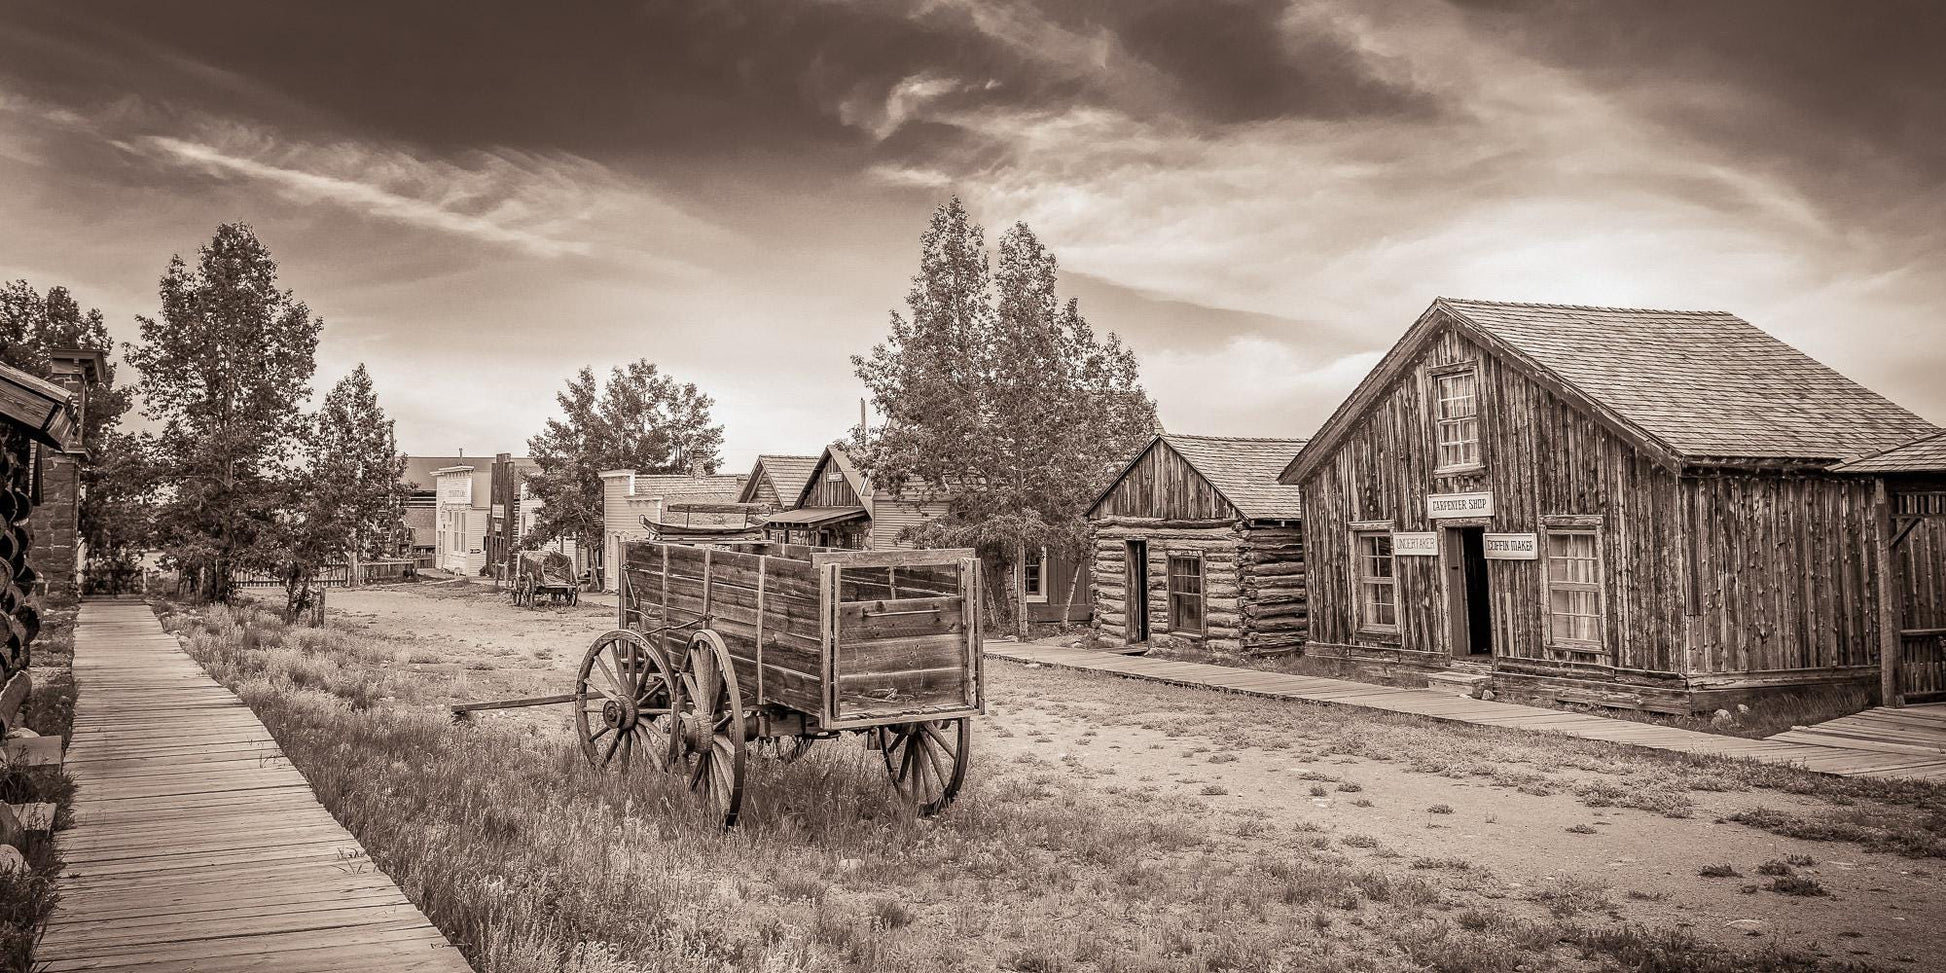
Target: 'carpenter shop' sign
1440,506
1511,547
1415,543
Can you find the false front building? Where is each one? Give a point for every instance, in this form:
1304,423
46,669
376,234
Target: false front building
1636,508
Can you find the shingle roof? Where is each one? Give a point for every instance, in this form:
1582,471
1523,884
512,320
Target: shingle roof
788,474
1707,383
1926,455
681,487
1244,471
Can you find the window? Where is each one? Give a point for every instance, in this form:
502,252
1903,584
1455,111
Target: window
1186,594
1573,588
1034,575
1456,415
1378,607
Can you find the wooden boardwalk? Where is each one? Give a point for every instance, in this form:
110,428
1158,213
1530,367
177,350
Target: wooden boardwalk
196,846
1823,752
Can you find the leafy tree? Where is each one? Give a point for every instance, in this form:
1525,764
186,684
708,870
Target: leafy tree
1000,399
113,516
641,419
224,368
354,470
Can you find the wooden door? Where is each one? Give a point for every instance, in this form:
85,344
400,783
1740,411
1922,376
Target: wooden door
1469,602
1138,591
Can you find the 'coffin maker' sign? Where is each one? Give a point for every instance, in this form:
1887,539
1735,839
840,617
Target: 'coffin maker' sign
1511,547
1442,506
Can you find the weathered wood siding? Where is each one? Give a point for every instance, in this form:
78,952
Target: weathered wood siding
1783,574
1163,485
830,488
1919,564
891,515
1542,458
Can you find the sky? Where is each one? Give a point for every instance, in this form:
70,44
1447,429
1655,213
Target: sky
1259,197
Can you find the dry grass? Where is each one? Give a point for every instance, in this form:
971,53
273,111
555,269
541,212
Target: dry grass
519,852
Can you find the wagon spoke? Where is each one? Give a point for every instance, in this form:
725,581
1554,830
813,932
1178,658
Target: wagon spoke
612,744
628,748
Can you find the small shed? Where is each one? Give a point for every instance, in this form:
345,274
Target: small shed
1911,491
1630,507
1197,543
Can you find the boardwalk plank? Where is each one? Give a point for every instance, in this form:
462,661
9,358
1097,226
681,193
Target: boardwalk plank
196,845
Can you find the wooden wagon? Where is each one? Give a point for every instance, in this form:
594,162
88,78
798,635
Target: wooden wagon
547,575
719,648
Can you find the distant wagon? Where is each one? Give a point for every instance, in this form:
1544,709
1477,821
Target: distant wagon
548,575
719,648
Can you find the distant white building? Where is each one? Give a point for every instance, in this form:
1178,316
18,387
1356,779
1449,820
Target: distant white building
627,497
462,519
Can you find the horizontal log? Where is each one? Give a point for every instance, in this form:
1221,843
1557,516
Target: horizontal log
1151,523
1278,569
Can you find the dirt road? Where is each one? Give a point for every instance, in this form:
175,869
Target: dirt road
1510,825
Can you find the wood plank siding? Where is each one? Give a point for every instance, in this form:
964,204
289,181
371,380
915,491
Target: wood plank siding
1710,577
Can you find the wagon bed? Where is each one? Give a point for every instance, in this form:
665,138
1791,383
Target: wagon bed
821,640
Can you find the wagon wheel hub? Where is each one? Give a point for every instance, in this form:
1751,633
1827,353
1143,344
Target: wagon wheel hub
621,714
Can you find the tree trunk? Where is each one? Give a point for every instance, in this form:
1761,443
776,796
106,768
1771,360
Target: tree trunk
1067,603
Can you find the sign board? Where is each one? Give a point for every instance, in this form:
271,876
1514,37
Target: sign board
1512,547
1415,543
499,511
456,490
1442,506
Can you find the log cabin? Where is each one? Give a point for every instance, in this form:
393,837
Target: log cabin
1632,508
1211,543
839,507
1910,487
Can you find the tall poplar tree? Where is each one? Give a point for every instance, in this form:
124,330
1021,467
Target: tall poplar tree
224,369
1000,399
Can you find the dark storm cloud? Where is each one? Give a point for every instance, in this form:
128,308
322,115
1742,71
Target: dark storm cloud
1842,96
672,80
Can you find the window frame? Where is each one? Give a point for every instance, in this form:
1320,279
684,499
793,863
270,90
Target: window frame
1171,596
1034,597
1435,403
1360,580
1598,587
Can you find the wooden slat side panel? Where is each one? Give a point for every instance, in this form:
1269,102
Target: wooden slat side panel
1161,484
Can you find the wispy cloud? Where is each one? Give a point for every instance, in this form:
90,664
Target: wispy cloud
506,220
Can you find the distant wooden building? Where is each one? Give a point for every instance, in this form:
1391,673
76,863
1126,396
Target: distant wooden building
464,502
838,507
1197,543
1630,507
60,555
630,501
776,480
1912,493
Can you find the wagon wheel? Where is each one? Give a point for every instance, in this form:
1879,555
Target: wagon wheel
786,749
927,760
708,745
621,702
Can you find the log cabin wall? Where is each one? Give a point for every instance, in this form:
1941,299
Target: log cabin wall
1214,543
1546,463
1783,584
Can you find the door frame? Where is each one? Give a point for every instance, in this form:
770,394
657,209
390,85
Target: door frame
1135,576
1459,595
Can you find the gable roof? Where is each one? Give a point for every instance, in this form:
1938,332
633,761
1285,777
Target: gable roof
1702,385
836,455
788,474
1243,470
1924,455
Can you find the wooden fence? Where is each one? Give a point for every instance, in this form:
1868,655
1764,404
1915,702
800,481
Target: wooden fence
339,575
